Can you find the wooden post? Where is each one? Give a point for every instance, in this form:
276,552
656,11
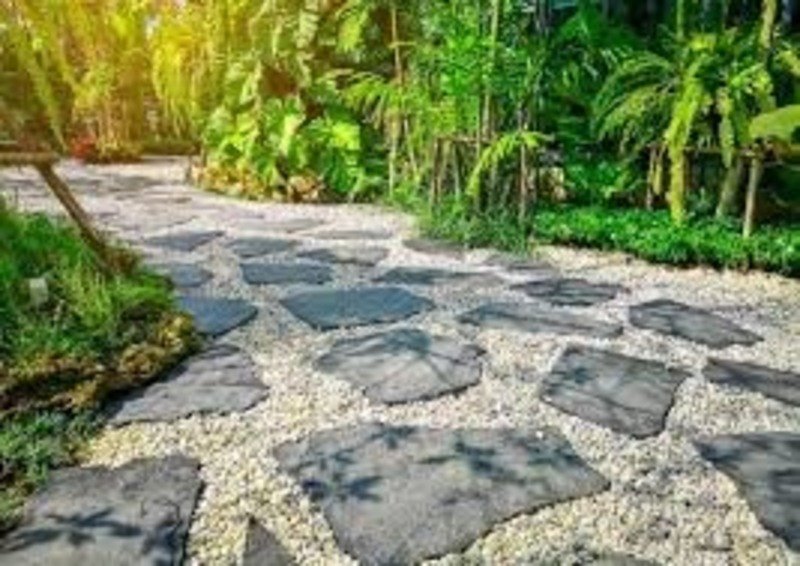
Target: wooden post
756,171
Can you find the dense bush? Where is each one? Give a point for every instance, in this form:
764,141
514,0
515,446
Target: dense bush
647,235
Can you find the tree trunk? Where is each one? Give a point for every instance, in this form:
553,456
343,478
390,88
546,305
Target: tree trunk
730,188
76,212
756,171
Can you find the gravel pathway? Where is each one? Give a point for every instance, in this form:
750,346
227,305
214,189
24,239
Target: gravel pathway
668,499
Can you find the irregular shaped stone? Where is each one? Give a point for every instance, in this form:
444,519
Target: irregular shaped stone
400,495
214,316
138,514
528,317
328,310
521,265
293,225
286,273
435,247
184,241
404,365
222,379
570,292
766,469
352,235
781,385
367,256
691,323
262,548
255,247
432,276
628,395
184,275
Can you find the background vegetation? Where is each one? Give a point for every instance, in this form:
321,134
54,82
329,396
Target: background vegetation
490,110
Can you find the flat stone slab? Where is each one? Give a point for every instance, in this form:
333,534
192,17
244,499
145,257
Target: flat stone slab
520,265
400,495
366,256
690,323
766,469
352,235
215,316
628,395
528,317
286,273
137,514
781,385
222,379
570,292
262,548
293,225
404,365
434,247
328,310
256,247
184,241
184,275
432,276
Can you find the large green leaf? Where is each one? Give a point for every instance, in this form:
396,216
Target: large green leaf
779,124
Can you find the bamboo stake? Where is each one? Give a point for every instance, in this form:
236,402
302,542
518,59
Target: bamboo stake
756,172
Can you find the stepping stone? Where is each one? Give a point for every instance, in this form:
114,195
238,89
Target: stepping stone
285,273
289,226
215,317
766,469
184,241
400,495
432,276
528,317
404,365
222,379
690,323
256,247
352,235
628,395
138,513
516,264
329,310
435,247
781,385
570,292
184,275
368,256
262,548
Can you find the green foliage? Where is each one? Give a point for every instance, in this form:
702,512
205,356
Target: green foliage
30,446
780,125
78,345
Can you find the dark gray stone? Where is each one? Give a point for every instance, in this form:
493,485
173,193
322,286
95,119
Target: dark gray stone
691,323
255,247
528,317
404,365
627,395
521,265
222,379
184,275
216,317
184,241
292,225
435,247
367,256
262,548
286,273
570,292
400,495
137,514
352,235
328,310
766,469
432,276
781,385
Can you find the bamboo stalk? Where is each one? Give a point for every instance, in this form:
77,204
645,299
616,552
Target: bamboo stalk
756,172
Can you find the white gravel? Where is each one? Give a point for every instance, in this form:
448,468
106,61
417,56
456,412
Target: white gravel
665,504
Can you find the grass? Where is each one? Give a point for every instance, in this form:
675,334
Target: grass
89,337
644,234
